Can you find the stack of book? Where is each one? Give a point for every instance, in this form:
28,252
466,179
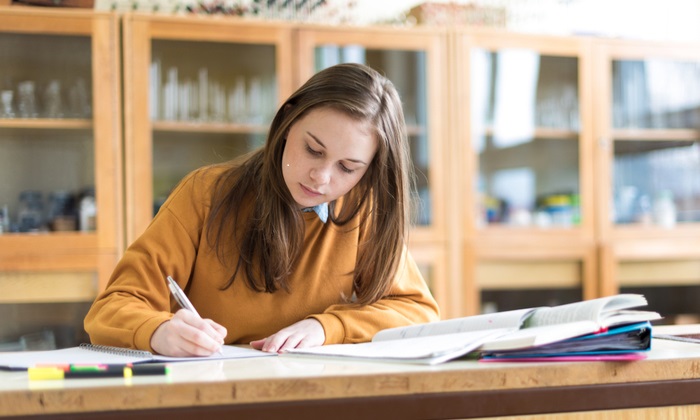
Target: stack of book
598,329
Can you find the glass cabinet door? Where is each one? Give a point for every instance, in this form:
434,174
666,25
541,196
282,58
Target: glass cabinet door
649,156
47,157
60,195
199,92
526,173
411,62
655,117
525,132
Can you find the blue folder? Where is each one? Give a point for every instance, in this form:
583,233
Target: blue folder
615,340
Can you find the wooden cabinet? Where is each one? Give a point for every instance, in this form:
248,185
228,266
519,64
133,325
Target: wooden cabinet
523,162
60,138
61,169
413,59
648,177
197,91
540,160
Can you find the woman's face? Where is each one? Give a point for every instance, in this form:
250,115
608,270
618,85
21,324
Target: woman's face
326,155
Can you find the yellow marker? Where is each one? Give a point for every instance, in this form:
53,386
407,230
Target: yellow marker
45,373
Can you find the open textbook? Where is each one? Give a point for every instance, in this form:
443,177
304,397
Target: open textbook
594,326
95,354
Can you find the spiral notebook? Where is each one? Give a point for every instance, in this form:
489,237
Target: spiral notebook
95,354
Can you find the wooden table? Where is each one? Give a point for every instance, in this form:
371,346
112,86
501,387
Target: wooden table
666,383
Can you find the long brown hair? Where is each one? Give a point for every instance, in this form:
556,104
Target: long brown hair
270,241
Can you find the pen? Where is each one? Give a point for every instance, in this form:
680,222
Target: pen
180,296
95,371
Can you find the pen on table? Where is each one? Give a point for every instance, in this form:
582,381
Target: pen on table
181,298
39,373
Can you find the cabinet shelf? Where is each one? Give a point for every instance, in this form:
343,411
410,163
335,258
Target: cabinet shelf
47,123
25,254
48,287
12,243
504,231
656,134
548,133
641,232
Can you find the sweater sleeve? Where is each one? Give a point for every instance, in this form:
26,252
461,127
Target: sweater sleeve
136,300
408,302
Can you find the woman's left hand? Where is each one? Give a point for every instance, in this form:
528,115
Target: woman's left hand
306,333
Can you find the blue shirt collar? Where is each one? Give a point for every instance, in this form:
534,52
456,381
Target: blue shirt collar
321,210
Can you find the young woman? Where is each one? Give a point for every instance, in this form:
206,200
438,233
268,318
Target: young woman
301,243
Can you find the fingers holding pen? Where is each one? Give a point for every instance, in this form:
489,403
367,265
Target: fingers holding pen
202,332
186,334
199,335
218,328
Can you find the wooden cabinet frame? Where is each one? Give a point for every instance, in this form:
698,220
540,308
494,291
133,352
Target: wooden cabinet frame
503,243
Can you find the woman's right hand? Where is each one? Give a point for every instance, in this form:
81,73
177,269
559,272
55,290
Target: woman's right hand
186,334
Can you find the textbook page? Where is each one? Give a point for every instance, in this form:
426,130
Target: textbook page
606,311
423,350
507,319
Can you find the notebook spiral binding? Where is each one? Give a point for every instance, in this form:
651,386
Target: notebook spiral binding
117,350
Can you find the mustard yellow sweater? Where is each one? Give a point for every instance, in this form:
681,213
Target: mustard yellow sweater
137,300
